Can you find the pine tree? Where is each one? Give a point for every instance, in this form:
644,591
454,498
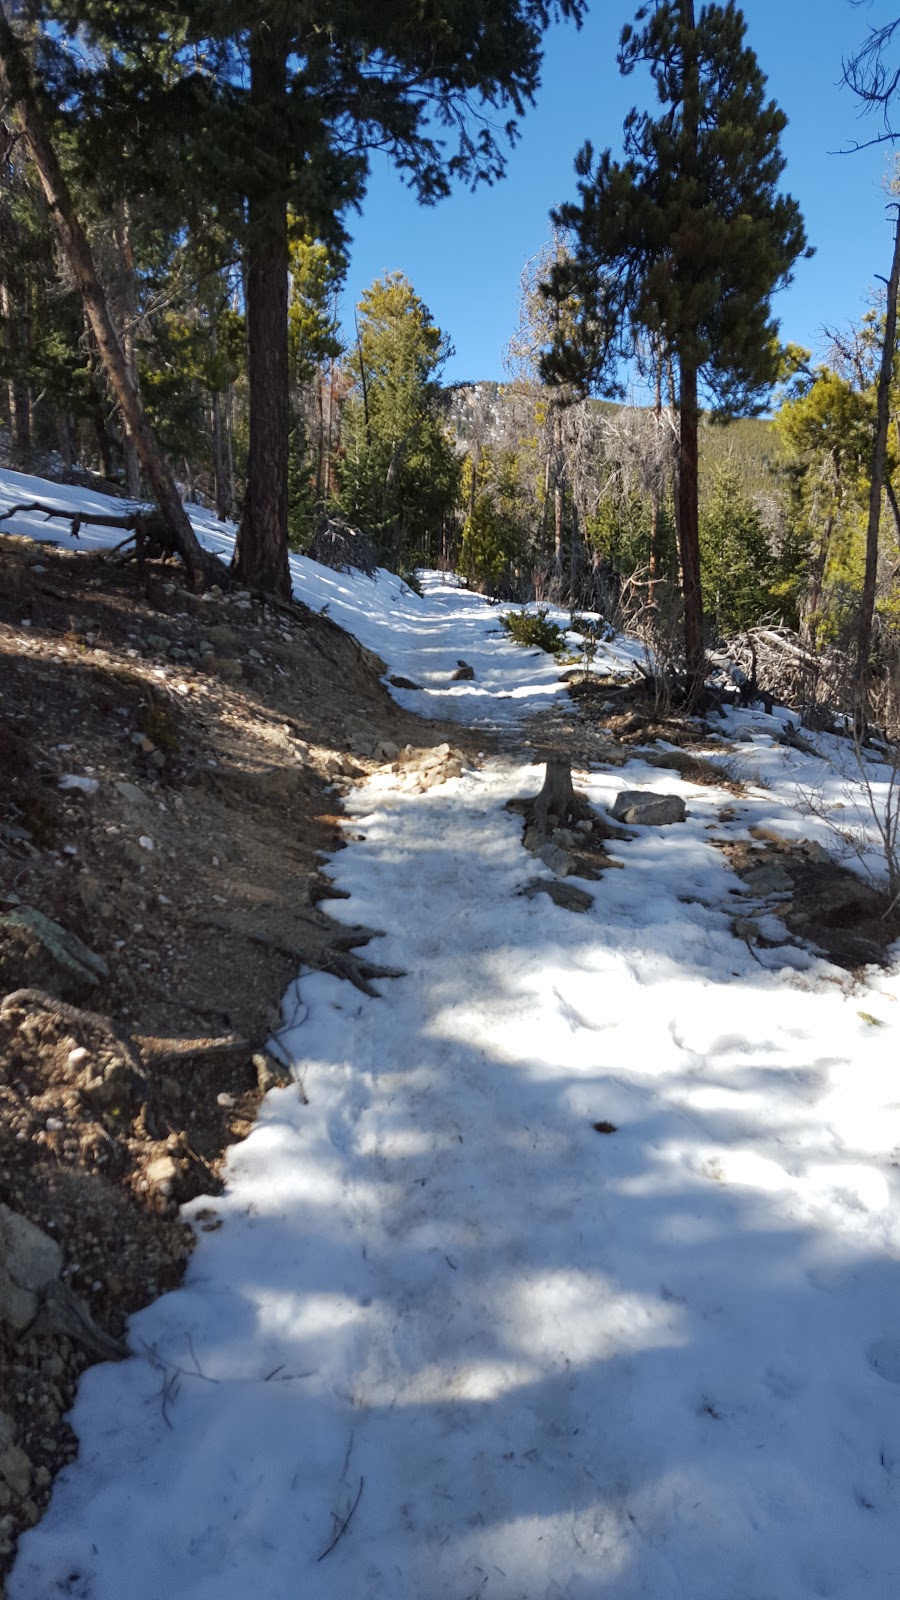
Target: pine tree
826,428
326,83
737,561
18,88
685,239
401,474
494,535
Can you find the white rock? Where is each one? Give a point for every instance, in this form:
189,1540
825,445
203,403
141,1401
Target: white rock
161,1174
72,780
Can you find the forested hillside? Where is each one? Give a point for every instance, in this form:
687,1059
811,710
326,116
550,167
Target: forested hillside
566,480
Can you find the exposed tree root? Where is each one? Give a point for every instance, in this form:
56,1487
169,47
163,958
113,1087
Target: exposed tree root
75,1018
161,1052
326,946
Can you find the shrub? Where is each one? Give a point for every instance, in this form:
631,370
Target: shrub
534,630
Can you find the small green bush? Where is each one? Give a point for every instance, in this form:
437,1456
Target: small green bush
532,629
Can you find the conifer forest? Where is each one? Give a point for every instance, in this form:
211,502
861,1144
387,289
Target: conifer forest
177,202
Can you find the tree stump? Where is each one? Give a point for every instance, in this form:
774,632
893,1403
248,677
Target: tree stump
556,806
557,802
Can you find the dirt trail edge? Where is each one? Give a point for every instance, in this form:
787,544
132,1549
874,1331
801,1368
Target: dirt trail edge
171,771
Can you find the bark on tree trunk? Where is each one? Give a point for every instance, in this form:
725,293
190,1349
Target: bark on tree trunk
66,437
329,423
19,399
557,497
574,551
688,526
15,81
103,445
127,298
688,492
220,471
98,413
229,450
220,474
320,437
261,551
673,460
656,496
876,482
816,581
364,381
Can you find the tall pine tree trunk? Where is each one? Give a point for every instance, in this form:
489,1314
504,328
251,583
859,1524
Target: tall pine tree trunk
329,426
96,390
15,81
261,551
656,493
557,498
220,469
320,438
127,304
19,400
876,483
811,618
689,524
229,452
66,439
688,473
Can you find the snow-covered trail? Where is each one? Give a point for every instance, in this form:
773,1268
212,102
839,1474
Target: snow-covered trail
439,1319
660,1362
422,640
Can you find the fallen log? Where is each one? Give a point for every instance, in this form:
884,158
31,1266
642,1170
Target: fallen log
145,525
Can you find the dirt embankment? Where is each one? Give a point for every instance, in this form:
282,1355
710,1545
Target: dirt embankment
170,775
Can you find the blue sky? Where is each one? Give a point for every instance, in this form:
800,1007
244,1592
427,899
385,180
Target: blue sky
465,256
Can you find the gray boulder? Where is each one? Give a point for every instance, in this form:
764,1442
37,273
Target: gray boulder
567,895
557,859
29,1260
641,806
768,879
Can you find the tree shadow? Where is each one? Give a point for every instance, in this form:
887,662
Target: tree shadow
561,1364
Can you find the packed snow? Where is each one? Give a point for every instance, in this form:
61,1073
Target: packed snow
449,1340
